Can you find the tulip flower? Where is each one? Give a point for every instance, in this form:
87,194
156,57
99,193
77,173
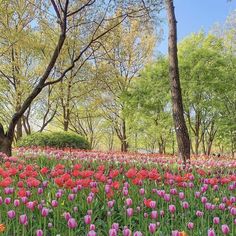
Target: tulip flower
225,229
71,223
11,214
23,219
39,232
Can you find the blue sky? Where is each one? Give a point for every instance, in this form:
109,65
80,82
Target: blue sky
194,15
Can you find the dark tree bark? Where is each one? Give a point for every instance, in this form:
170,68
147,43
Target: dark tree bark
177,104
5,144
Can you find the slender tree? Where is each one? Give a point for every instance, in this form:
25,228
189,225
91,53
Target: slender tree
182,135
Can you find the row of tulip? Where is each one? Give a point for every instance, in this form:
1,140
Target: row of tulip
72,192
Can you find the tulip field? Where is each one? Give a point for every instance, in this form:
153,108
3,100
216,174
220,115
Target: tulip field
87,193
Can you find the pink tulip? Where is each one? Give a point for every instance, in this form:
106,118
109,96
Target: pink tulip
154,214
141,191
172,209
54,203
211,232
216,220
138,233
30,205
153,204
7,200
110,204
91,233
128,202
167,197
115,226
112,232
185,205
40,191
190,225
44,212
152,228
199,213
71,197
181,195
16,202
92,227
23,219
66,215
87,219
11,214
127,232
89,199
130,212
233,211
72,223
39,232
225,229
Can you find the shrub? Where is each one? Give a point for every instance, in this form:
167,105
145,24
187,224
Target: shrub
54,139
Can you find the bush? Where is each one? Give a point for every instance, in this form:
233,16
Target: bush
54,139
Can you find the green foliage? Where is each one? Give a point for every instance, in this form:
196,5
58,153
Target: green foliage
54,139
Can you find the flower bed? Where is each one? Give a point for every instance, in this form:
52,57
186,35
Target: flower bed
72,192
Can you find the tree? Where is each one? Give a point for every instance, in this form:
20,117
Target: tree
93,25
126,51
201,64
149,107
182,135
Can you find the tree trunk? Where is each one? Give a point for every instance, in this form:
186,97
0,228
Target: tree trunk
5,142
182,135
203,145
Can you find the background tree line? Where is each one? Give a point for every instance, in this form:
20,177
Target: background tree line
107,83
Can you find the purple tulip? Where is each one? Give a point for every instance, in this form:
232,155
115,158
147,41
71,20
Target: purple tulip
16,202
91,233
211,232
89,199
162,213
72,223
66,215
185,205
127,232
167,197
110,204
7,200
225,229
71,197
154,214
112,232
128,202
233,211
39,232
190,225
216,220
40,191
115,226
23,219
141,191
130,212
54,203
11,214
172,209
152,228
92,227
181,195
87,219
199,213
138,233
44,212
153,204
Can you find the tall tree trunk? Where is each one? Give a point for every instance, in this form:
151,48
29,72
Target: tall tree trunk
182,135
5,142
